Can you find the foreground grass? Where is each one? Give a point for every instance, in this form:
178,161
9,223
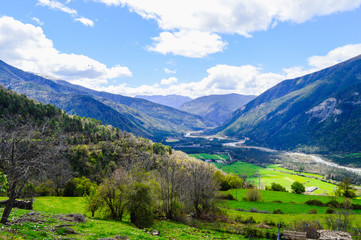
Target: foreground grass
48,222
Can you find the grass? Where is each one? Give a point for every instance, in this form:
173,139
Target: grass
204,156
274,173
50,207
240,168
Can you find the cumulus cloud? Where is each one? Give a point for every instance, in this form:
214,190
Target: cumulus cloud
169,81
25,46
193,44
85,21
56,5
335,56
179,18
245,79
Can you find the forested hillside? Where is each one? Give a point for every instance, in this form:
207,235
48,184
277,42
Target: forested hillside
89,154
139,116
319,112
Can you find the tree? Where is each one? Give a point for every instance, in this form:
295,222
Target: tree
26,152
297,187
113,192
345,189
140,205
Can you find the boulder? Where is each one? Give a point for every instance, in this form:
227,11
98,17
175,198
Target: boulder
333,235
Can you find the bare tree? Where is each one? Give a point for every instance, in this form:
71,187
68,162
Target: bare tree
26,152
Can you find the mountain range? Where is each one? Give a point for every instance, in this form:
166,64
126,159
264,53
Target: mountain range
139,116
217,108
318,112
174,101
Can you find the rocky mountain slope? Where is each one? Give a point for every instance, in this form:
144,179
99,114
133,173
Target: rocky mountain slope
319,112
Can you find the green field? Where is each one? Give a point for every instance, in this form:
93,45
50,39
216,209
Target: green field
204,156
50,208
274,173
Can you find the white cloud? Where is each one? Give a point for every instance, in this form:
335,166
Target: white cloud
169,71
193,44
335,56
216,17
85,21
169,81
38,21
53,4
25,46
246,79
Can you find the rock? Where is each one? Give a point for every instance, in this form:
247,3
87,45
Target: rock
22,204
333,235
262,225
155,232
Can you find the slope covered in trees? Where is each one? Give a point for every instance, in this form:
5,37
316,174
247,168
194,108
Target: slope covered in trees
139,116
129,170
319,112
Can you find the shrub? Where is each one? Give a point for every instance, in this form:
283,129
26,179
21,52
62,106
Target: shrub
278,211
311,227
314,202
297,187
253,195
226,196
276,187
330,210
69,188
333,203
141,206
313,211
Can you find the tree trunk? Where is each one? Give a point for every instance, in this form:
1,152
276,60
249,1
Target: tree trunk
7,210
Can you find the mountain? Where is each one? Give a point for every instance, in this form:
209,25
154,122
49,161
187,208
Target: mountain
174,101
139,116
217,108
318,112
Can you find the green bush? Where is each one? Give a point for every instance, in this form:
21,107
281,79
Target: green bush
314,202
140,206
278,211
313,211
69,188
330,210
226,196
276,187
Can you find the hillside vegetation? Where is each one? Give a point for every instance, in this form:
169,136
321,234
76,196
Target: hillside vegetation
318,112
135,115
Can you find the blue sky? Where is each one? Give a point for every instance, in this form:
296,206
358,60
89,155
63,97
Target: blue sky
186,47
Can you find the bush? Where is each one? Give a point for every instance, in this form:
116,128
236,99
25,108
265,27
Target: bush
330,210
141,206
314,202
226,196
253,195
311,227
313,211
69,188
278,211
276,187
297,187
333,203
